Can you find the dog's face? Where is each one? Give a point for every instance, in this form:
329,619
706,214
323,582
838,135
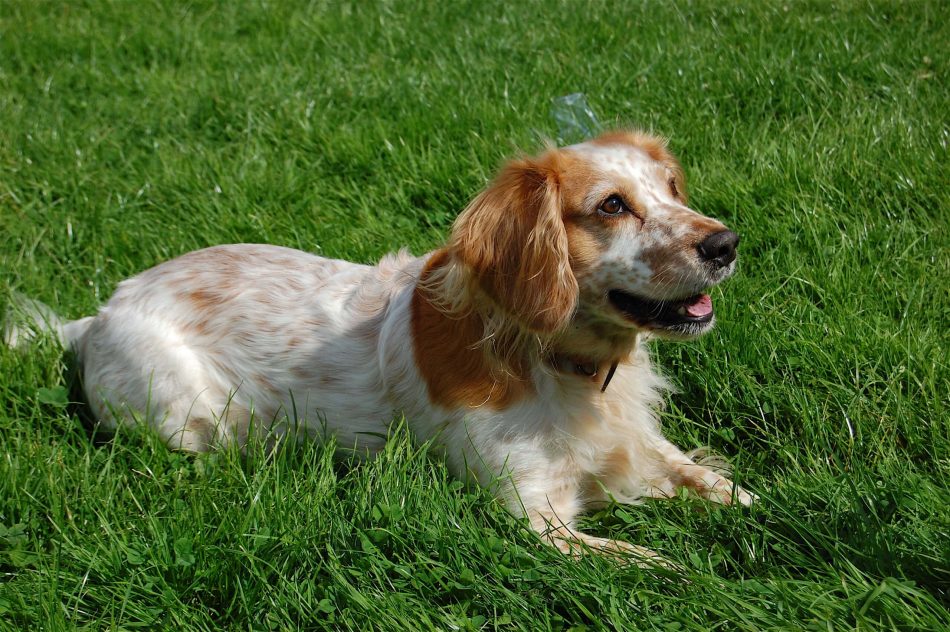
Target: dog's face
597,237
641,257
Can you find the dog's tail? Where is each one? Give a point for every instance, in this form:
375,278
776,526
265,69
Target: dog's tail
27,318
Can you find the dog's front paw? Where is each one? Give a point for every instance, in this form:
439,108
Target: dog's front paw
726,492
577,544
744,497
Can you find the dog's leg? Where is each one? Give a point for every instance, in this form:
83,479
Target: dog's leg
137,371
576,543
546,489
552,511
659,472
193,432
188,421
682,471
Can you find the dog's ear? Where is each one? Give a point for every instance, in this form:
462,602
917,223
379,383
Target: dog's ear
512,238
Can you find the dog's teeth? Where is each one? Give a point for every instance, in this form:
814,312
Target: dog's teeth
681,310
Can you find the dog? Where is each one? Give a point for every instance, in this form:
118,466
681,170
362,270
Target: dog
518,348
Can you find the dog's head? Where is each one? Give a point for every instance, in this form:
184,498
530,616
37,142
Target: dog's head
596,236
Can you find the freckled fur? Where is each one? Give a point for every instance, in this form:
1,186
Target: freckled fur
463,341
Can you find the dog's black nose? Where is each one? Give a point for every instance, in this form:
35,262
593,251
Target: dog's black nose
719,248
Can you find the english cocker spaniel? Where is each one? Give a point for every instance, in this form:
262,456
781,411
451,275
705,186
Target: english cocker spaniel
518,347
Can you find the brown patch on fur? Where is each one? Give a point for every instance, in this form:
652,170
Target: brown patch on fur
512,238
302,372
205,300
452,363
587,239
329,380
576,176
200,327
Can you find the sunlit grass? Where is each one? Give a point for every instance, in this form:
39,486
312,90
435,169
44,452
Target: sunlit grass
132,132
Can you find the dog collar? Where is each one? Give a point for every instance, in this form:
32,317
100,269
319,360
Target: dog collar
582,367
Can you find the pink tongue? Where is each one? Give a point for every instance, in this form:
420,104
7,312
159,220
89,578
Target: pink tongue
702,307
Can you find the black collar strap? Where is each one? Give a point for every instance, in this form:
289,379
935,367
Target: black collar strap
610,376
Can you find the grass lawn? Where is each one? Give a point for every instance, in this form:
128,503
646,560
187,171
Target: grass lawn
131,132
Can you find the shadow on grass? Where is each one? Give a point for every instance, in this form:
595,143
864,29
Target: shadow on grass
824,505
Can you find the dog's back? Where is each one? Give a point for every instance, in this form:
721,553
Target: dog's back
200,345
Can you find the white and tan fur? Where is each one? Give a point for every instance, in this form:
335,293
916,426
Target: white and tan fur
496,345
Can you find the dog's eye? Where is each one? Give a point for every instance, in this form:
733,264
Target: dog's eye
673,190
614,205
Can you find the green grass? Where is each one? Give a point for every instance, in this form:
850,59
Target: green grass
131,132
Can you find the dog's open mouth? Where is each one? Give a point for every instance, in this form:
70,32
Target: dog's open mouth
691,315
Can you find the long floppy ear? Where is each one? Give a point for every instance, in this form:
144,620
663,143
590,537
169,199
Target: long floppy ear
513,240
